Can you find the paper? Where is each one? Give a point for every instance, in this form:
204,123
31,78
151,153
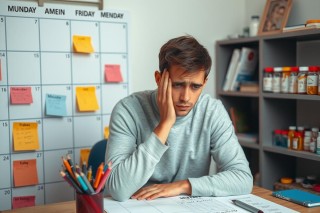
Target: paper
23,201
25,172
20,95
112,73
106,132
25,136
56,105
189,204
84,156
86,99
82,44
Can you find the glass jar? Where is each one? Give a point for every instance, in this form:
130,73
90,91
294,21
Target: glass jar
302,80
254,25
276,80
285,79
277,137
312,81
306,141
297,141
267,79
292,130
314,136
293,80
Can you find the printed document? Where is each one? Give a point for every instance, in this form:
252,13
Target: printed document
191,204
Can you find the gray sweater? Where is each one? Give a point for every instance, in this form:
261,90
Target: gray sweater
139,158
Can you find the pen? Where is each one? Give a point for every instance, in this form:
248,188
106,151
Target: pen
247,206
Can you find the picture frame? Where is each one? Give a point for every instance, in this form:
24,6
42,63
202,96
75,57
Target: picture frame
275,16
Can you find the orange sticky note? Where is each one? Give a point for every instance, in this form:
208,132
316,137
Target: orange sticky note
84,155
106,132
20,95
25,172
112,73
23,201
25,136
86,99
82,44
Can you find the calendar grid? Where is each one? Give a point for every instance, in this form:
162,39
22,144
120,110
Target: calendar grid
37,53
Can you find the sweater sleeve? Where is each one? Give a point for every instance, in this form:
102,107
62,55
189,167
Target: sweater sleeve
133,162
233,176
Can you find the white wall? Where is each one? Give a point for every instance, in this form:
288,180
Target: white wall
153,22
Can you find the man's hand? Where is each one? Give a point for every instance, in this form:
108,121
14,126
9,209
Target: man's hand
163,190
166,108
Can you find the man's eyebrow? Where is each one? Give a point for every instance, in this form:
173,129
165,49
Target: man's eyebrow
184,83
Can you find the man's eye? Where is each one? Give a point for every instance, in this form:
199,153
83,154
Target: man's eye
177,85
196,86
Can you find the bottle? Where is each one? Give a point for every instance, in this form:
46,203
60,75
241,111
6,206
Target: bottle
267,79
302,80
254,25
284,137
301,130
314,136
285,79
312,81
306,141
277,137
319,81
292,130
297,141
276,80
293,80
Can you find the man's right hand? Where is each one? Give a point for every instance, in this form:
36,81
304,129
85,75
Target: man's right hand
166,108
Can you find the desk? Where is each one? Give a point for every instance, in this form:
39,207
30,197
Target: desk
70,207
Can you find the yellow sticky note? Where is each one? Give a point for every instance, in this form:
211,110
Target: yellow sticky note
84,155
106,132
86,99
82,44
25,136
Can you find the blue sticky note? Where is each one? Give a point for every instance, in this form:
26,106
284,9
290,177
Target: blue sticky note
56,105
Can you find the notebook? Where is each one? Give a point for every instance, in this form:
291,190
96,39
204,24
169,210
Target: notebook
299,197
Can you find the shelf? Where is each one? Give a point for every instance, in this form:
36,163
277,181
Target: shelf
239,94
291,96
285,151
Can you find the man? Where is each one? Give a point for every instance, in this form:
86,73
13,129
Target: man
161,142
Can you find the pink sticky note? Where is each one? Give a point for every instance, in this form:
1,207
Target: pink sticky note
23,201
20,95
112,73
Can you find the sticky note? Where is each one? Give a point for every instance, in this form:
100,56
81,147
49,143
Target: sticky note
86,99
25,136
25,172
106,132
56,105
82,44
84,156
20,95
23,201
112,73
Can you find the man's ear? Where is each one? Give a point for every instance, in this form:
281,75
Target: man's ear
157,77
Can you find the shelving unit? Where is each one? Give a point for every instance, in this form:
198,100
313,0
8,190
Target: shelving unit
269,111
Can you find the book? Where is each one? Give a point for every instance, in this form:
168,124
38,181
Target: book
231,69
301,27
247,137
299,197
245,68
249,86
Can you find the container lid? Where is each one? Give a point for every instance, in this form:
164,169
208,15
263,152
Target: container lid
292,127
313,69
294,69
277,69
277,131
286,69
268,69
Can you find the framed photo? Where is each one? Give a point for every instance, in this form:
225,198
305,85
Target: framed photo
275,16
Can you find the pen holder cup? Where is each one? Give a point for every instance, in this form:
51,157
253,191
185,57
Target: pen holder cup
89,203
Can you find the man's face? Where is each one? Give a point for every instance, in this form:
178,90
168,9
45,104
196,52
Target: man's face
186,88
